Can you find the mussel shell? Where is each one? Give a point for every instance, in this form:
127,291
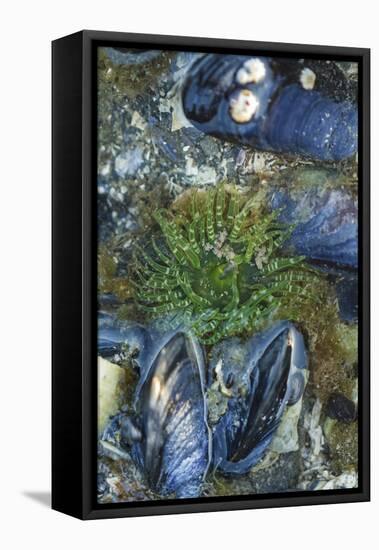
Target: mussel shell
297,385
306,123
326,223
114,335
276,360
211,81
288,118
174,451
131,56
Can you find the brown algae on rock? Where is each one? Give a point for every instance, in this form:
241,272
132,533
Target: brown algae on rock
132,79
108,281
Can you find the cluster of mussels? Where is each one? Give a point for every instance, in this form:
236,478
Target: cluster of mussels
219,281
167,432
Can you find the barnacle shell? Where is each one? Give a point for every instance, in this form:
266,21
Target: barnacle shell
295,116
307,79
243,106
253,70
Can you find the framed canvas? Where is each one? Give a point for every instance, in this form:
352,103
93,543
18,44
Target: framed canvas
210,275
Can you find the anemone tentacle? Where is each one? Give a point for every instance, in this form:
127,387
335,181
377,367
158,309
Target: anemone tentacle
218,266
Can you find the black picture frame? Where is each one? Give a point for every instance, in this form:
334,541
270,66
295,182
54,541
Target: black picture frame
74,276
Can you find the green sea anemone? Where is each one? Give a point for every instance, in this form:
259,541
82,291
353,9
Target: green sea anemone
216,265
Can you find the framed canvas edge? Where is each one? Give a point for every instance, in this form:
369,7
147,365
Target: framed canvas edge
197,43
90,510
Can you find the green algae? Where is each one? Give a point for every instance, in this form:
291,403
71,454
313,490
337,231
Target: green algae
342,439
332,345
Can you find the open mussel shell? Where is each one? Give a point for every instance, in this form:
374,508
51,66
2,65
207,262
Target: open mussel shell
174,449
274,105
275,374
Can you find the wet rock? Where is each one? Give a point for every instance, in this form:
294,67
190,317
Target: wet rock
341,408
111,383
120,481
128,162
281,476
346,480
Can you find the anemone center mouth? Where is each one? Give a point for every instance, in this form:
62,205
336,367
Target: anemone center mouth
222,275
215,282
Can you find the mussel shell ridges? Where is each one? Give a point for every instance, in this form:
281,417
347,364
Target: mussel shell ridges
286,118
326,224
276,360
174,451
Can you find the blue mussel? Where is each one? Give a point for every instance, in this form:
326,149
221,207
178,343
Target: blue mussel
326,233
270,378
167,433
271,104
326,222
174,452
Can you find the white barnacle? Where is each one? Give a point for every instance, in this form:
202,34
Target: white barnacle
243,106
220,379
307,79
253,70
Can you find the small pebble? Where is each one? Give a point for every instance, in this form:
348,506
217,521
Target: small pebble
341,408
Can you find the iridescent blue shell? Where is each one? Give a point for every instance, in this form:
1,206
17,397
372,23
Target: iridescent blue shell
114,334
326,223
274,370
174,451
292,115
131,56
166,433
